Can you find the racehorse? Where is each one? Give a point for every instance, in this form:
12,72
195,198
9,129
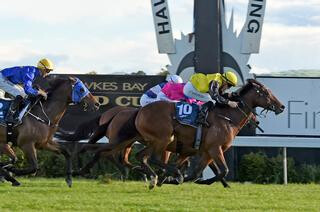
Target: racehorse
41,122
96,129
106,125
155,123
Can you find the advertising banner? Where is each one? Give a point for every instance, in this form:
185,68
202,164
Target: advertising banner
302,113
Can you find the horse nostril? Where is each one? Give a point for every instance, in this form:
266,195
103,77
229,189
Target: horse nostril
282,107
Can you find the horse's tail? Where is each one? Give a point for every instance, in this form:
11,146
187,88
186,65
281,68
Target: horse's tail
83,131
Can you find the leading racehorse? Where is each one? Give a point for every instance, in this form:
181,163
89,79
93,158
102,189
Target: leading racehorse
41,122
156,125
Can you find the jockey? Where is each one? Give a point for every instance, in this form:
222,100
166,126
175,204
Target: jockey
151,95
173,92
18,81
209,88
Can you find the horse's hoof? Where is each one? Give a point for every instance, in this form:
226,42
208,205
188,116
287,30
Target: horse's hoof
15,183
69,182
180,179
201,182
153,182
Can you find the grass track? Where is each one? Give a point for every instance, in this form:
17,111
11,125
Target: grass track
88,195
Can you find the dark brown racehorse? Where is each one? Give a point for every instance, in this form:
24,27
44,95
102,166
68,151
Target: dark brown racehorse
40,124
107,125
156,125
96,129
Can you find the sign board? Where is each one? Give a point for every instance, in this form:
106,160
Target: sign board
162,23
253,27
302,113
110,90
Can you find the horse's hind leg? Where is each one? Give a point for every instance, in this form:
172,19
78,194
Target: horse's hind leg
30,153
196,174
6,149
8,177
143,157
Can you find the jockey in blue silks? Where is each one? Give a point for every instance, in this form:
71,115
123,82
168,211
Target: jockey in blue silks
18,81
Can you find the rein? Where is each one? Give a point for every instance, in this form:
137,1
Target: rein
47,122
247,116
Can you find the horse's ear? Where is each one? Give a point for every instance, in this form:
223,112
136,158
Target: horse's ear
73,80
251,81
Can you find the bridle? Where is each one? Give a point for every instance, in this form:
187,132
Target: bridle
270,106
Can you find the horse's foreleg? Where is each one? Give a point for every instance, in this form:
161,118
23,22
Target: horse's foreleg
213,166
97,135
67,155
217,155
107,149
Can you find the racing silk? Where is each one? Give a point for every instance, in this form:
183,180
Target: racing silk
209,83
23,75
201,81
153,92
174,91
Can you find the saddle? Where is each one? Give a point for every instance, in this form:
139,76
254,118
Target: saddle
194,116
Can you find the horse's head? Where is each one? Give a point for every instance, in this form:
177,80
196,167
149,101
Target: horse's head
261,96
75,92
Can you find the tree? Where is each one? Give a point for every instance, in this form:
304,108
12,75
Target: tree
140,72
92,73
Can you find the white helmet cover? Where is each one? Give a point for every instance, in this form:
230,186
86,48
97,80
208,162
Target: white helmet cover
174,78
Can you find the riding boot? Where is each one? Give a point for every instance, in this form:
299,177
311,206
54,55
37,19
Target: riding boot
12,115
202,116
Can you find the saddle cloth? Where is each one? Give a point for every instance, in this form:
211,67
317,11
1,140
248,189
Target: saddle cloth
187,114
4,107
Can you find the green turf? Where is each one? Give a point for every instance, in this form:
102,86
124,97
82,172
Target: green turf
89,195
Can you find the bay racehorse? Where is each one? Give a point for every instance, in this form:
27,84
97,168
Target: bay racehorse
156,125
41,122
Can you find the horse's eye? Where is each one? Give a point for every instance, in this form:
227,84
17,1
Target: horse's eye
81,90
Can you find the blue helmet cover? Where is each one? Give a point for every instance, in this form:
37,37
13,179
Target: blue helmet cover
79,91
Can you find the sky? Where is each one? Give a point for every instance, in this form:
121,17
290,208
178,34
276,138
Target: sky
118,36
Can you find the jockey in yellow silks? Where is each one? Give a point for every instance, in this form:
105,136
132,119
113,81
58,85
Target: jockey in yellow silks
208,88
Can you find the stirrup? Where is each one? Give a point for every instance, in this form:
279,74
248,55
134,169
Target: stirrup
202,119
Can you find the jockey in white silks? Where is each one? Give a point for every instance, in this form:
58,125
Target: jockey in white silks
151,95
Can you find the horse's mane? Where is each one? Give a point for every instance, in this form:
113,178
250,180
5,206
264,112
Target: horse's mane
56,83
245,88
